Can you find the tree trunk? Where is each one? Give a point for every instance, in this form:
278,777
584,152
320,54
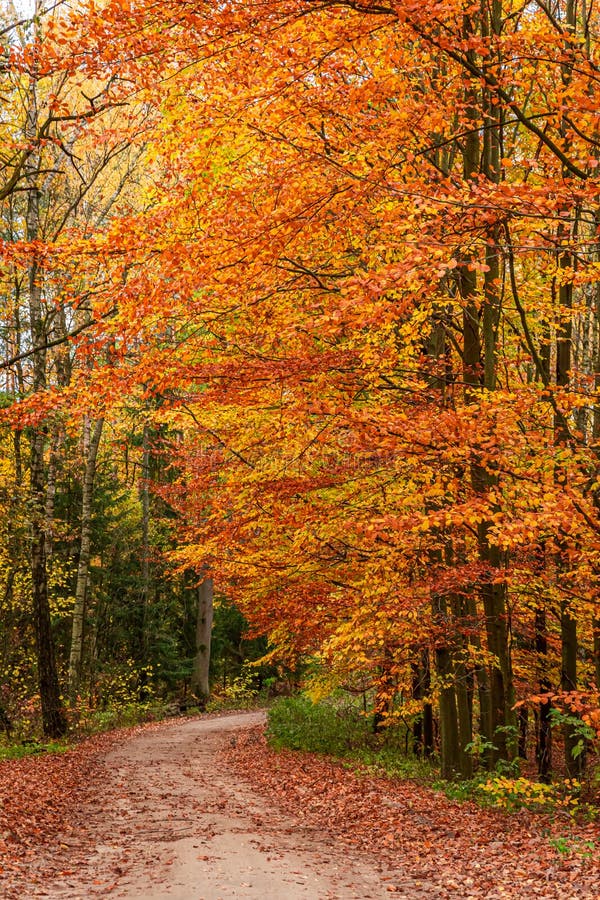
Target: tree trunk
423,729
479,369
385,690
568,624
461,681
53,718
450,750
596,446
543,750
575,765
91,445
596,627
200,684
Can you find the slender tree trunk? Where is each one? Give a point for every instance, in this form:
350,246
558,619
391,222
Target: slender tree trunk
479,370
523,720
450,750
575,765
596,627
463,704
51,474
428,740
564,341
596,449
454,713
543,750
144,636
568,623
53,718
449,738
200,684
91,445
385,691
423,730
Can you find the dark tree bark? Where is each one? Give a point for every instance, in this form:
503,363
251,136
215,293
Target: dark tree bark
53,718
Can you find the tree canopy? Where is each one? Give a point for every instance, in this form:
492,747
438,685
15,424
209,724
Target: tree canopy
303,298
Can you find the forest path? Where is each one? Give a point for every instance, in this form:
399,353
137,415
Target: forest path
205,809
172,821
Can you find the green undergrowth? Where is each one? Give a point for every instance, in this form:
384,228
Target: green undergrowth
338,727
11,750
85,721
244,691
88,717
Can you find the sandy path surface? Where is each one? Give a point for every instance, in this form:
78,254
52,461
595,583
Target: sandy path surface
174,823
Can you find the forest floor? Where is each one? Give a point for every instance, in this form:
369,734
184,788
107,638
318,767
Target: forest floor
200,809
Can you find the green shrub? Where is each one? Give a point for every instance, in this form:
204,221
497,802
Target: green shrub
86,720
522,793
242,692
327,727
338,726
31,748
393,763
512,794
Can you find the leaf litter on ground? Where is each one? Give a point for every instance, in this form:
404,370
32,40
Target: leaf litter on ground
459,849
56,802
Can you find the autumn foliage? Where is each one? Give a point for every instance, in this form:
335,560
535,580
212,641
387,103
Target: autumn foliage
350,284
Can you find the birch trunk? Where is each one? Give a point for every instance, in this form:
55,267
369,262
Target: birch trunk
91,446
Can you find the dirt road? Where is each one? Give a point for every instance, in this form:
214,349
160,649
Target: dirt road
202,809
173,822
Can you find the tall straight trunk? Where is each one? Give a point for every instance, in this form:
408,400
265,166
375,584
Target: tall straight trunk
493,592
385,690
568,624
450,750
428,741
596,628
53,718
480,322
421,687
575,764
51,473
144,637
91,444
463,700
523,720
482,678
543,750
200,684
564,340
596,447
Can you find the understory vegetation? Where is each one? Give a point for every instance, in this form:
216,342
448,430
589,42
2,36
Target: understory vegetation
340,727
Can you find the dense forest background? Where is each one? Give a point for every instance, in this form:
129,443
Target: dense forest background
300,307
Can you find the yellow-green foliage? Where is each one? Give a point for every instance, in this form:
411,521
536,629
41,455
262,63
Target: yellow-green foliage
123,684
515,793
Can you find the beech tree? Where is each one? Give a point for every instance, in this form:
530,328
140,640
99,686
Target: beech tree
356,298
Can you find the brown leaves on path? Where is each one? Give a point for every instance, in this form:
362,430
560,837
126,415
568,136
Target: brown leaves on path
41,799
462,849
58,812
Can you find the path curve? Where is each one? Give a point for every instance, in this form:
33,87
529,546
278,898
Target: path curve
174,823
